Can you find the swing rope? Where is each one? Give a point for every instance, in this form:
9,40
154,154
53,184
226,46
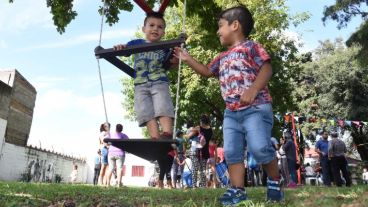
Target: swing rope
98,61
179,72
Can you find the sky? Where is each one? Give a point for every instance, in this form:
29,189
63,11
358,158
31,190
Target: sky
63,68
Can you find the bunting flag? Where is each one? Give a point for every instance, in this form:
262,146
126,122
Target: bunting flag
356,123
288,118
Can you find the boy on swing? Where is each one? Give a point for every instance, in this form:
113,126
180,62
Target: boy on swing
243,71
152,100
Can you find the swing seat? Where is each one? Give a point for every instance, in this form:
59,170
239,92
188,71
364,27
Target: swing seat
148,149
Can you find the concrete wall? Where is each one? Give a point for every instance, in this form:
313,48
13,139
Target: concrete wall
41,165
20,109
17,101
130,161
5,92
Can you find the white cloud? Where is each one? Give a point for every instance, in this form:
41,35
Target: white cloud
21,15
69,122
43,82
3,44
82,39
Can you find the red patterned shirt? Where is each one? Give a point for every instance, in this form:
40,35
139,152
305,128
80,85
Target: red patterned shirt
237,69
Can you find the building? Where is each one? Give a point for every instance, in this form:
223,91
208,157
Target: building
18,161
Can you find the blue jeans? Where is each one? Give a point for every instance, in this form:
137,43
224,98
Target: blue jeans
187,179
326,170
292,170
251,128
104,153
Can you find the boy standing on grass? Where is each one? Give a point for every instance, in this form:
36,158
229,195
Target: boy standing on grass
243,71
152,100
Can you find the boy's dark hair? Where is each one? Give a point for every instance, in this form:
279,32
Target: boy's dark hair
240,13
156,15
189,124
119,128
287,135
179,133
205,119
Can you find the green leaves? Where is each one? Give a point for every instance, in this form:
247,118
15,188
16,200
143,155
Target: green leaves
111,9
62,11
342,12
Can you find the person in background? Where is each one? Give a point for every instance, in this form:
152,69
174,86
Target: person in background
165,164
187,172
322,149
104,133
336,153
206,133
365,176
212,164
116,156
309,171
290,152
97,167
283,164
74,174
177,169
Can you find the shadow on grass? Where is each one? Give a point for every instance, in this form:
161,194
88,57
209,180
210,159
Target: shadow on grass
58,195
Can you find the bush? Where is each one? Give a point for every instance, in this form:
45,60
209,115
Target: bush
58,178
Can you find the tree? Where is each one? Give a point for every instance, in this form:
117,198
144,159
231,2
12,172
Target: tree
342,12
335,86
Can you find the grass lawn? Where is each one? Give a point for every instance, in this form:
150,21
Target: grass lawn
56,195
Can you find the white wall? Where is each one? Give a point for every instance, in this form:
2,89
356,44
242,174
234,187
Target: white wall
16,160
131,160
2,133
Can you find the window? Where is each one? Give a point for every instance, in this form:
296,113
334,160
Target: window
137,171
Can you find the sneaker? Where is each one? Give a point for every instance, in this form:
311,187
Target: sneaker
233,196
274,190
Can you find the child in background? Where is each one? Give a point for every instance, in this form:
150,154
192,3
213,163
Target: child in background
74,174
365,176
187,172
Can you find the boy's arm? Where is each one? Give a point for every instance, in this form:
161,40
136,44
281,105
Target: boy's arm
193,63
261,81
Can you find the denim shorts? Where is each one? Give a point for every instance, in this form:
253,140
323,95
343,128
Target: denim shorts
152,100
104,153
251,128
116,161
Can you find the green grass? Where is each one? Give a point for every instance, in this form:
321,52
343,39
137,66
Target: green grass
17,194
